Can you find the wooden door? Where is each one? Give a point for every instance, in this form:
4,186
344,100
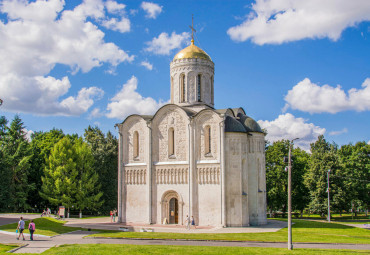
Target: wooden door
174,211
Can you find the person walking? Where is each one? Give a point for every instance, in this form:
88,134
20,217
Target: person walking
114,215
193,222
187,222
31,228
20,228
111,216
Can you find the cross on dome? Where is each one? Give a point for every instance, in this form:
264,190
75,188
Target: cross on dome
192,29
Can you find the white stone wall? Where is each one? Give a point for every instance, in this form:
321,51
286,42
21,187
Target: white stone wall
136,199
245,179
257,179
235,178
191,68
209,195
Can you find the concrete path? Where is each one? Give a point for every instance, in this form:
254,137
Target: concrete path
104,223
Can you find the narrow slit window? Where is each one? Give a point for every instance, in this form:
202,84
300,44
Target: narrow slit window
171,90
171,142
207,140
212,93
199,88
182,88
136,144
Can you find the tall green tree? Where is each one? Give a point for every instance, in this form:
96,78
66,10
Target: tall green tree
41,145
60,183
355,174
300,166
5,172
88,194
105,151
277,177
323,158
18,154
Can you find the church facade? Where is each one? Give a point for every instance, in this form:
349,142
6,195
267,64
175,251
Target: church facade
190,158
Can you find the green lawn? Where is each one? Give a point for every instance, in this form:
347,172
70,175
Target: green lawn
44,226
303,231
189,250
5,248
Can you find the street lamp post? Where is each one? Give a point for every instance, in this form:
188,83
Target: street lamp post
290,243
328,190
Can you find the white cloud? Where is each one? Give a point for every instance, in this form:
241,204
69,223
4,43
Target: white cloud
95,113
37,36
114,7
40,95
114,24
310,97
279,21
152,10
339,132
147,65
288,127
164,44
128,101
28,134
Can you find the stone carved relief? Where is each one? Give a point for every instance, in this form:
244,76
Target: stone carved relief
160,135
212,120
171,175
208,175
135,176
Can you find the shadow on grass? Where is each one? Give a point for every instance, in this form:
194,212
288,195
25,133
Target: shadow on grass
304,223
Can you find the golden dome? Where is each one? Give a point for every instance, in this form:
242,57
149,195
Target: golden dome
192,51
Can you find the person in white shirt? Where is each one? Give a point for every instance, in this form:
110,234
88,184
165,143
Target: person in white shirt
20,228
187,222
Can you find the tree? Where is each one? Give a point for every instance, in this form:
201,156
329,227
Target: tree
300,165
59,183
88,194
17,155
277,177
5,172
355,174
41,145
105,151
323,158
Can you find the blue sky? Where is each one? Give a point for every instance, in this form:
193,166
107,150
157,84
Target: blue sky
301,68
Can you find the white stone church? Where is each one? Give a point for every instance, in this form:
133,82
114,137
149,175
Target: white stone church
191,159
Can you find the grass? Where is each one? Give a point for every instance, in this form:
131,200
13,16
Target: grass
44,226
303,231
189,250
4,248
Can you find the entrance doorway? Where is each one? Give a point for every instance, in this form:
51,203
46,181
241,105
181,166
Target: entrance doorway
172,207
174,211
